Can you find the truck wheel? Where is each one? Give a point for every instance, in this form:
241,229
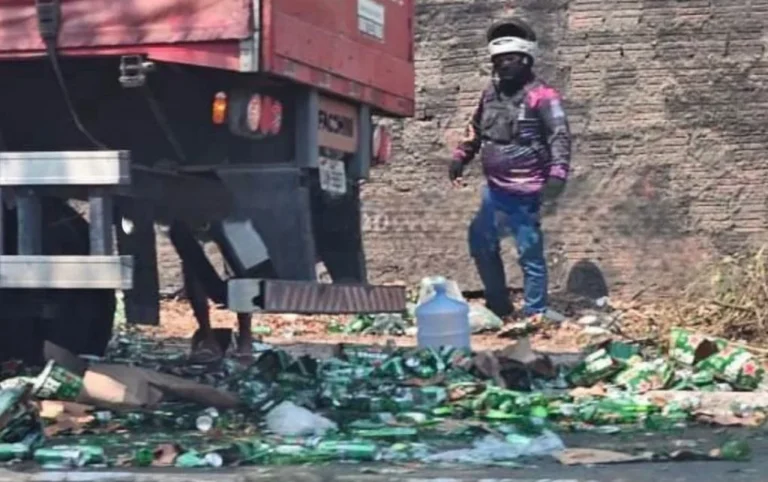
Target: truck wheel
78,320
84,324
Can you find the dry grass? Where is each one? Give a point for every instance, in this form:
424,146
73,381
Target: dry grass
728,299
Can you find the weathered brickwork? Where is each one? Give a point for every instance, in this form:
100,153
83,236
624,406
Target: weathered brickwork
667,102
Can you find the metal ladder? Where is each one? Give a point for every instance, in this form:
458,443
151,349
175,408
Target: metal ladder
96,173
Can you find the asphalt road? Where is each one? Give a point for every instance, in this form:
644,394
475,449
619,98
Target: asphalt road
545,469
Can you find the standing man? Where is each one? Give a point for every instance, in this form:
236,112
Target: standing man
522,134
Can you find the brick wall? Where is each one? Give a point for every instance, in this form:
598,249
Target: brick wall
667,102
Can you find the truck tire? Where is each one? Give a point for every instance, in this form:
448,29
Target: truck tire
79,320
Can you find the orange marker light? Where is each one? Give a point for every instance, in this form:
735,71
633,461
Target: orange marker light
219,113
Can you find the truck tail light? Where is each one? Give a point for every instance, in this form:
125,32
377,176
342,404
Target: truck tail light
272,116
219,111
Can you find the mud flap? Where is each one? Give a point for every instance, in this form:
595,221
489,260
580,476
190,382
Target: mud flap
142,303
277,201
337,227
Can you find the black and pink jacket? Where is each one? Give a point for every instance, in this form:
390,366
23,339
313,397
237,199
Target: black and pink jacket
523,139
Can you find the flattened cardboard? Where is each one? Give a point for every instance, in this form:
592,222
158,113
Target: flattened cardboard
121,386
124,387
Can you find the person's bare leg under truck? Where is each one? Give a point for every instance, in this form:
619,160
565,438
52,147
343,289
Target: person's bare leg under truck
201,282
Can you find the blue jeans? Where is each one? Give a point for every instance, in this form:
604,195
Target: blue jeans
502,215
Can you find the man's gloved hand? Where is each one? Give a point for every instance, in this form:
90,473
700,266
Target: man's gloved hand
456,171
553,188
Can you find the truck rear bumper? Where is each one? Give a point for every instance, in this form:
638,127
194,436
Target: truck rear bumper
247,295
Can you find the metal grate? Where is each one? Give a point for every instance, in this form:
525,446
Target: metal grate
280,296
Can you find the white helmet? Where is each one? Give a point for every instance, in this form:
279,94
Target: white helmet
512,36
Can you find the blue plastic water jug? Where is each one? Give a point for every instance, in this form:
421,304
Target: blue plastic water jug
442,321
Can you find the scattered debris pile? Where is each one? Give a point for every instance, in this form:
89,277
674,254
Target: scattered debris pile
146,406
694,362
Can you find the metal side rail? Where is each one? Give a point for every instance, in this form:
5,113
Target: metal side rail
66,272
101,173
66,168
308,297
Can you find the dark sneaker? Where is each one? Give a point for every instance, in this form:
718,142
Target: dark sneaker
502,310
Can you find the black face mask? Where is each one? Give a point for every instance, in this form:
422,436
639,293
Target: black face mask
512,75
512,72
509,83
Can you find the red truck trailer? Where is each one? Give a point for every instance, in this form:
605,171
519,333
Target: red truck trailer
248,122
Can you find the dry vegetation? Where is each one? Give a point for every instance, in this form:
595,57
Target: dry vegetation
728,299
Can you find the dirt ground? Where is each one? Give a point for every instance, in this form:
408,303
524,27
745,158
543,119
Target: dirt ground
178,322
